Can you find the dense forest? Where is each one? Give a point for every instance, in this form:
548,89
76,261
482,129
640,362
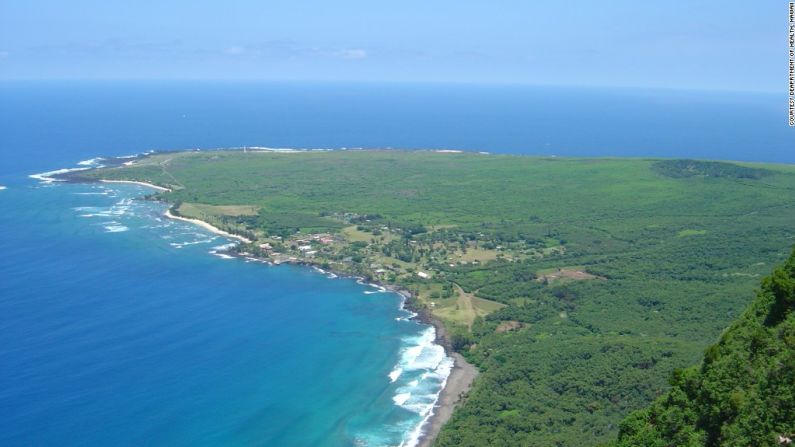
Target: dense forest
743,393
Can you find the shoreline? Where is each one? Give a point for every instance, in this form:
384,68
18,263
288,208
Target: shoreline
132,182
207,226
455,388
462,374
458,383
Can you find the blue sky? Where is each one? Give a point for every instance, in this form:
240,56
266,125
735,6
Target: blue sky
732,45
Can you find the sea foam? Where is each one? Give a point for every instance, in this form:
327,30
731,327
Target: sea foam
93,162
420,375
116,228
394,374
47,177
401,398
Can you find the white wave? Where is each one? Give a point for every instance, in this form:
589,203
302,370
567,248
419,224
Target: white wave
185,244
187,235
422,404
87,208
283,150
46,177
410,314
90,162
420,375
423,353
422,356
407,317
120,208
401,398
115,228
443,371
226,246
2,187
93,211
221,255
381,289
331,276
394,374
419,396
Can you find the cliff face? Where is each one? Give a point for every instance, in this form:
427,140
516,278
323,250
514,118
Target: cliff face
743,394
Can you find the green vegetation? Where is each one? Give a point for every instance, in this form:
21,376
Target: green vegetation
691,232
575,285
692,168
744,391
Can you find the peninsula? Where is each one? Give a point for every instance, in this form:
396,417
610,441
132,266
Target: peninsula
575,286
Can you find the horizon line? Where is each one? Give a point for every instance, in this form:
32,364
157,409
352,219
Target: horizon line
495,83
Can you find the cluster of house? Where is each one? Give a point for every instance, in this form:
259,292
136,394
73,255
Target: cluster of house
380,270
304,245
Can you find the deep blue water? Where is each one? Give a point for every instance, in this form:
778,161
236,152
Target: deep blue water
118,327
64,122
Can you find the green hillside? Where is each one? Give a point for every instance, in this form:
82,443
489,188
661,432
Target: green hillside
743,394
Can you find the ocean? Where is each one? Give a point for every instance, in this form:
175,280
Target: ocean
120,327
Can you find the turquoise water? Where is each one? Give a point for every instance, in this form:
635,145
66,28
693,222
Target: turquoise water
120,327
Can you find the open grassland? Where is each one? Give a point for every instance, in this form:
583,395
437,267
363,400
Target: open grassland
576,285
199,209
463,308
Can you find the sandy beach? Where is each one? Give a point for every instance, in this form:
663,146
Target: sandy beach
159,188
208,227
168,214
458,383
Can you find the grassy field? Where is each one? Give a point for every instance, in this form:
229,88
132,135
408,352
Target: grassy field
576,285
198,209
463,308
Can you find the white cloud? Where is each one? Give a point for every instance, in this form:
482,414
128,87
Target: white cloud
353,53
234,51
